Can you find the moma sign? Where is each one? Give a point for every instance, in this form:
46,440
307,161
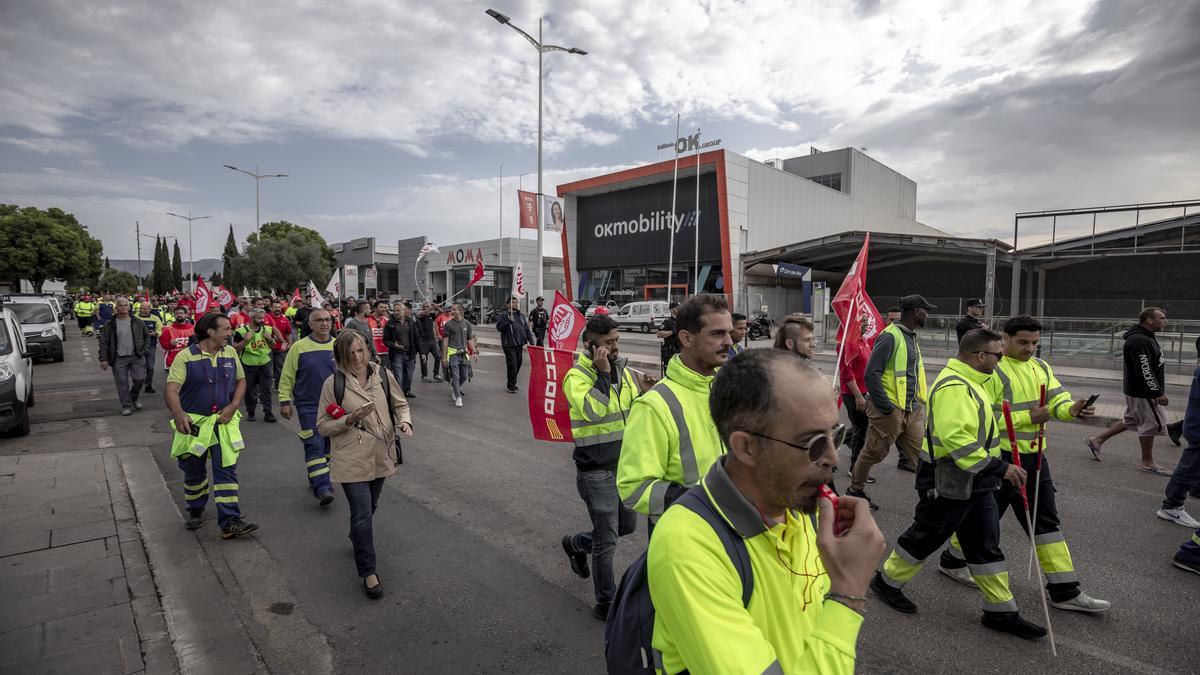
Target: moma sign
633,227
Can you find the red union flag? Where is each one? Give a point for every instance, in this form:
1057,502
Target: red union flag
224,297
529,209
853,308
566,323
549,414
203,298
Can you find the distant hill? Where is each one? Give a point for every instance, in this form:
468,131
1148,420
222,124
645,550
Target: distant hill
204,267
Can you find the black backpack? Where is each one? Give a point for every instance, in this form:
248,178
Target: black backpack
339,392
628,632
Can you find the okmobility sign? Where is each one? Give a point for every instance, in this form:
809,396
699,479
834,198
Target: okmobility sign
689,144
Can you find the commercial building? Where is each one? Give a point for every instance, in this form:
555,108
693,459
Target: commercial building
367,267
446,273
619,243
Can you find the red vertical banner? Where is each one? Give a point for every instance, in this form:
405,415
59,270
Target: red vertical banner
529,209
203,297
549,413
566,323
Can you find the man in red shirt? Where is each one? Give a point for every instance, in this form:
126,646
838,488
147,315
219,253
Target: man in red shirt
176,337
377,321
188,302
283,327
852,376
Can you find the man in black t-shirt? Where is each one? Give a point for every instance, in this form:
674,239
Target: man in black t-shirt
970,320
669,335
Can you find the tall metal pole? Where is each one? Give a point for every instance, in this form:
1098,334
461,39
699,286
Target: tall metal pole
137,228
257,212
500,241
696,222
671,220
539,186
191,254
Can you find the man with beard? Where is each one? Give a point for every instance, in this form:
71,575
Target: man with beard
253,344
795,335
960,471
778,418
670,440
895,379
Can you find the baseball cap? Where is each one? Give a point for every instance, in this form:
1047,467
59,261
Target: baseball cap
911,302
975,302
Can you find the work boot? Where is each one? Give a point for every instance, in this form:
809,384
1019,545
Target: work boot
236,528
149,389
600,612
325,498
250,417
1083,603
1012,623
579,561
1175,433
1185,564
904,465
892,597
195,519
268,417
862,494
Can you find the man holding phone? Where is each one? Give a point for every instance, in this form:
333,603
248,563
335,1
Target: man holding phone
1020,377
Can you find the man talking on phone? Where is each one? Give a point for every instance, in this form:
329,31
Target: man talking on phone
600,390
1020,377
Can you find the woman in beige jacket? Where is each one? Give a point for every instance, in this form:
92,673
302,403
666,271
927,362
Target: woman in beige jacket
362,440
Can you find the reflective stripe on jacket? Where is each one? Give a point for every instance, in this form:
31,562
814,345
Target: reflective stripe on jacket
1020,383
895,373
959,423
599,408
228,435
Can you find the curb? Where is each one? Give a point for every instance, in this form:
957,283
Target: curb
205,631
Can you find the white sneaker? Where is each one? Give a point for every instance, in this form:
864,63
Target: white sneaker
1179,517
137,404
1083,603
458,402
960,574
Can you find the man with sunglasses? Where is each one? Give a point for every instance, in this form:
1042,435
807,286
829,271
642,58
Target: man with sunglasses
1020,378
959,472
776,414
670,440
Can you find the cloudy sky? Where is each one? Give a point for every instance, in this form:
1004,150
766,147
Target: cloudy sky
393,117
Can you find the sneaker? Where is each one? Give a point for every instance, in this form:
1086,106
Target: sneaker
1083,603
250,417
512,390
1013,624
236,528
458,402
137,405
579,561
870,480
268,417
126,412
409,394
1179,517
436,378
600,611
325,498
960,574
892,597
149,389
861,494
1175,433
1186,565
424,379
195,519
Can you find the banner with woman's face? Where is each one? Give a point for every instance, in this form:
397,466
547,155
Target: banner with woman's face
553,219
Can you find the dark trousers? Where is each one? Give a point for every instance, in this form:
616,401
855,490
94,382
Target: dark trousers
224,486
513,358
858,427
610,519
363,498
1185,477
1009,498
430,353
258,386
277,357
151,351
403,365
539,336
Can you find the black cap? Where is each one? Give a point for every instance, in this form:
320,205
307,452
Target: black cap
910,302
673,305
975,302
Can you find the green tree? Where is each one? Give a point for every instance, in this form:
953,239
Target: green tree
117,281
227,259
281,263
156,271
38,245
281,229
176,267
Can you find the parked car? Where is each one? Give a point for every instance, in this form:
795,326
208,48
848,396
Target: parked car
611,305
56,304
16,375
40,324
646,315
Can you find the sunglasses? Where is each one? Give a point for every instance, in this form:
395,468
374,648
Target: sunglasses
998,355
817,446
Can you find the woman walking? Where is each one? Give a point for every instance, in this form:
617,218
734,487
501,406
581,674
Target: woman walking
362,428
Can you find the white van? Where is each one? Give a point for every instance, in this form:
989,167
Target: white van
40,323
645,316
16,375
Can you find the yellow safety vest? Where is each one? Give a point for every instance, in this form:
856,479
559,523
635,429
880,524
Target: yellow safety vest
895,373
1020,383
229,435
597,417
960,424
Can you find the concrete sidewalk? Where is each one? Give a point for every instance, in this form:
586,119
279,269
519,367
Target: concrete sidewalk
89,542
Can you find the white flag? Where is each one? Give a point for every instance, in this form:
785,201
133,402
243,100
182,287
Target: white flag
519,286
426,250
334,286
314,295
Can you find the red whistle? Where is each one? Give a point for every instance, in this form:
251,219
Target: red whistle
833,500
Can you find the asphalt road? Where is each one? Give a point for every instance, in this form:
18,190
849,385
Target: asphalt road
468,535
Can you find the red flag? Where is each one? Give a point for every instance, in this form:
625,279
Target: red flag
224,297
296,294
477,274
566,323
203,298
549,414
529,209
851,304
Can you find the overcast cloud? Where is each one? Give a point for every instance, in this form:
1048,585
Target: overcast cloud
393,118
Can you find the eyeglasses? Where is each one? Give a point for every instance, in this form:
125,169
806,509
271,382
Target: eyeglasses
998,355
816,446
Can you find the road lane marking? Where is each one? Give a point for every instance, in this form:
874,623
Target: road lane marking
1126,662
103,436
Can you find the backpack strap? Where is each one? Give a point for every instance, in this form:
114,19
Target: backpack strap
697,501
339,387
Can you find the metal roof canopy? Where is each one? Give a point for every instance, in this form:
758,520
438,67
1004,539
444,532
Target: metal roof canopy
1105,244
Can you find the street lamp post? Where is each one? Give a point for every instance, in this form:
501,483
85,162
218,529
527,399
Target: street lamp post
541,49
191,252
257,179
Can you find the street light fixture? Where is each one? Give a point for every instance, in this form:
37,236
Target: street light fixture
257,179
191,253
541,49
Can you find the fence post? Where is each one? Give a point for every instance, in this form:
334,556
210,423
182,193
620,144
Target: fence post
1179,361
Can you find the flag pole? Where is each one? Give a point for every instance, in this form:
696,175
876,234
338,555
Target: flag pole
672,219
696,220
837,365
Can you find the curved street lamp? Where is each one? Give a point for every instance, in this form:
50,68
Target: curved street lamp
257,179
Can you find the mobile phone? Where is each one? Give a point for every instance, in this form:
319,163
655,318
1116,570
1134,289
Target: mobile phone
1091,400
